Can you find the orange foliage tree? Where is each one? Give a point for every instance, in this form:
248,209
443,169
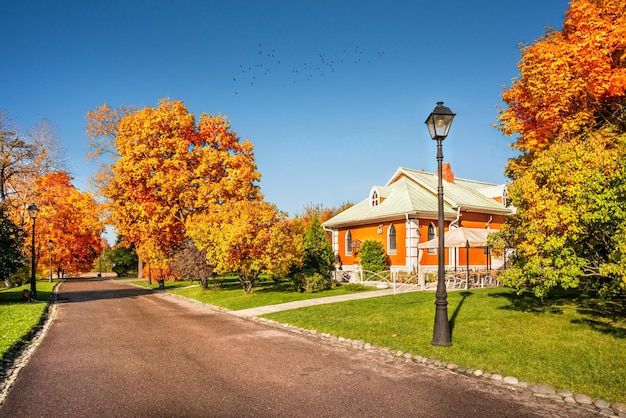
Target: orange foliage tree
571,80
320,212
71,221
567,110
169,168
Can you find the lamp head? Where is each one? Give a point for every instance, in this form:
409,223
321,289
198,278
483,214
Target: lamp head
33,210
439,121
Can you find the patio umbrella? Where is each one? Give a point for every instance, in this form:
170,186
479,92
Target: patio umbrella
460,237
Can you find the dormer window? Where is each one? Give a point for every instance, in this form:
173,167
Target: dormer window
375,198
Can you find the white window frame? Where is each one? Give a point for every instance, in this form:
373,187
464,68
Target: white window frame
432,234
390,250
348,242
375,199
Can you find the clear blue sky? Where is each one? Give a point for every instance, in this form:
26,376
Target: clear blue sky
333,94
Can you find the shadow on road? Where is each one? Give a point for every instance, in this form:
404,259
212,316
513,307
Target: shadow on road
87,291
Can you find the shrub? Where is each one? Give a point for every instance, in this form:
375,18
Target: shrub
373,257
298,280
315,283
22,276
354,287
431,276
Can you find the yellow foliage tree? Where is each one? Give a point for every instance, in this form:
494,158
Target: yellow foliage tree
169,168
248,237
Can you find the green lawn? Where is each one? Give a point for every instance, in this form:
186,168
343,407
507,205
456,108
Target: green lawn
18,318
577,344
231,294
236,299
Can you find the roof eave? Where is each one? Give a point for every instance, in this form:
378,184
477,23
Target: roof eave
490,211
449,216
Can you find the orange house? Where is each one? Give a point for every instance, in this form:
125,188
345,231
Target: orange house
403,214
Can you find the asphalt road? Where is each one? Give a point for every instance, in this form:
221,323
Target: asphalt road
117,350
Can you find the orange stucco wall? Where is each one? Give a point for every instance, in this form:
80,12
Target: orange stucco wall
477,256
370,232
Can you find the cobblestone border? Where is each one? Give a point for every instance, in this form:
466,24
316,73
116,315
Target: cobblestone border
21,352
583,401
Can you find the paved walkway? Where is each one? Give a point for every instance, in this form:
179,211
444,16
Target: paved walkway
262,310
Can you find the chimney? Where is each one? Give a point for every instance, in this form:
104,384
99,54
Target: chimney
448,175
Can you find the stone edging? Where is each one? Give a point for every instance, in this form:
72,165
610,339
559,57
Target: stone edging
540,390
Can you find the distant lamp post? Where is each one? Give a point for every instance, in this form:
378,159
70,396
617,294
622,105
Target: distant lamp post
438,123
50,248
33,210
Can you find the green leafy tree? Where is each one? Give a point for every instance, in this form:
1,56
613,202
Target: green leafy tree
373,257
124,259
318,252
12,257
571,214
567,110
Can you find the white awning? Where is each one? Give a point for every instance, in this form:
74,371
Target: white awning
460,237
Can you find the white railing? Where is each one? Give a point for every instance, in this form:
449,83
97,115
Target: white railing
401,281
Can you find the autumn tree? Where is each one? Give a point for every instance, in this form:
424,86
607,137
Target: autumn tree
321,212
26,156
567,112
71,220
571,81
191,264
102,128
285,251
170,168
248,237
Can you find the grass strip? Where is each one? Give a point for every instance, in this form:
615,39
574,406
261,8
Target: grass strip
237,299
18,318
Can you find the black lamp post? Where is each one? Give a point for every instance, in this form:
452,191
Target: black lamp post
438,123
50,248
32,212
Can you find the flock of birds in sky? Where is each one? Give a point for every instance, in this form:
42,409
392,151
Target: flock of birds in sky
270,63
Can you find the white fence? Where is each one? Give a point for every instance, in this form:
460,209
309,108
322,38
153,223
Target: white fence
401,281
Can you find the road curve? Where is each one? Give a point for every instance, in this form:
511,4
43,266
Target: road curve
118,350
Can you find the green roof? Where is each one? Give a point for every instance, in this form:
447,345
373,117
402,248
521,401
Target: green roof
414,192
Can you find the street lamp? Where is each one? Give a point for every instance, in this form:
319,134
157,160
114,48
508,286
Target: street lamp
438,123
50,248
32,212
